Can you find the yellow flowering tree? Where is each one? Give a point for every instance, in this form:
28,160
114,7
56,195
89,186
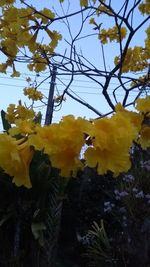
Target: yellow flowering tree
36,160
29,36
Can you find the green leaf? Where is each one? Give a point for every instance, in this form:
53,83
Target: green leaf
6,124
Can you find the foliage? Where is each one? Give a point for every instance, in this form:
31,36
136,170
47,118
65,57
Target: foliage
100,251
123,207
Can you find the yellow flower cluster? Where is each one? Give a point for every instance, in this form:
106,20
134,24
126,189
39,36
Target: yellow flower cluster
134,118
83,3
33,94
143,104
6,2
15,158
23,127
112,139
18,112
103,10
47,14
136,59
109,149
144,7
141,80
19,27
147,41
144,138
62,143
112,34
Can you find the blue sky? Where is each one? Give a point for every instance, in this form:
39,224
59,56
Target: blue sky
11,88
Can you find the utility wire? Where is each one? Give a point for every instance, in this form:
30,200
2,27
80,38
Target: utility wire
82,86
61,90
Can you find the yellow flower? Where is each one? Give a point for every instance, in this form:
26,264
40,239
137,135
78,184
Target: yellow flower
144,8
135,59
62,143
143,104
66,156
55,37
33,94
11,14
45,137
112,139
6,2
92,21
3,67
115,160
67,160
22,127
18,112
45,14
10,116
134,117
144,139
15,159
103,10
15,74
112,34
9,47
22,176
83,3
39,64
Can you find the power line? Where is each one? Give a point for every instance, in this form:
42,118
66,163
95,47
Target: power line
67,79
59,84
60,90
42,76
93,88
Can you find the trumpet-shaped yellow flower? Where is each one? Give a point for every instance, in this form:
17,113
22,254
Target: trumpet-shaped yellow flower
134,117
66,157
67,160
143,104
112,139
18,112
22,176
46,138
15,159
23,127
62,143
110,159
